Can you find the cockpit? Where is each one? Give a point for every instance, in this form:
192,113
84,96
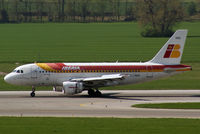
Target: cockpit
20,74
18,71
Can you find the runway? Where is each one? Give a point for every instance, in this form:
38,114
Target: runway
115,103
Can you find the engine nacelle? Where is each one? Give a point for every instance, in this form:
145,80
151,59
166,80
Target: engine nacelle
71,88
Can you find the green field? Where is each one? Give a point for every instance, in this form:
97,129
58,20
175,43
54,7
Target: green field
188,105
86,42
93,42
49,125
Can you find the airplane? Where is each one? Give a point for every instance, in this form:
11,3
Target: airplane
73,78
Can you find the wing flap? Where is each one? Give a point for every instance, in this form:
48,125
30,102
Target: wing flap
102,78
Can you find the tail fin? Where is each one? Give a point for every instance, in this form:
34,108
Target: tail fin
172,51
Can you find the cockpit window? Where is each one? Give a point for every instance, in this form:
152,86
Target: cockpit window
18,71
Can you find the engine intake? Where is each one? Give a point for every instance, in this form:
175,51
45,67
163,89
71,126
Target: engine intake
71,88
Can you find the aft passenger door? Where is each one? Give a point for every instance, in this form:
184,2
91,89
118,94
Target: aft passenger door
149,71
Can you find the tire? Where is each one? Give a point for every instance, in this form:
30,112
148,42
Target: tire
98,93
32,94
91,93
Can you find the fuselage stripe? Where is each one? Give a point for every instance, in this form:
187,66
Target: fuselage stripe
62,68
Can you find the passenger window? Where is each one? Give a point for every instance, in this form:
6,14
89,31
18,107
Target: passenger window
22,71
18,71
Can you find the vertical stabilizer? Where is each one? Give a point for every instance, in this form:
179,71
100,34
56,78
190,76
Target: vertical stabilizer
171,52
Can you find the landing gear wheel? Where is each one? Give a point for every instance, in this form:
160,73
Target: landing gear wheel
91,93
32,94
98,93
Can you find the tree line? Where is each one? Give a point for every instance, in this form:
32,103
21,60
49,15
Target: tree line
17,11
156,17
66,10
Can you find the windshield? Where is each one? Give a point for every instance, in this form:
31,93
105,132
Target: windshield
14,70
18,71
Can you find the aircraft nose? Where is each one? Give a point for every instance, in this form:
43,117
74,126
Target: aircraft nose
7,78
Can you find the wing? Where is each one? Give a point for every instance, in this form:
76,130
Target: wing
104,80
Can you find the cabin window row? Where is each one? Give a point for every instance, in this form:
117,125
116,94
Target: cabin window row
88,71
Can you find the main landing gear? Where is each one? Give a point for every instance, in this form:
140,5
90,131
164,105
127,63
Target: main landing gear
32,94
93,93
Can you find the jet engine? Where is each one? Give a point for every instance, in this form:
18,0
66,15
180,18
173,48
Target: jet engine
71,88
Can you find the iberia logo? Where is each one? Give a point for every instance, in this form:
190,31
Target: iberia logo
172,51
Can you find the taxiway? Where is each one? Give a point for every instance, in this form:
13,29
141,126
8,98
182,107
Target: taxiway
115,103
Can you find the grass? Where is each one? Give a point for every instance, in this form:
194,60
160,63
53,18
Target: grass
86,42
188,105
31,125
93,42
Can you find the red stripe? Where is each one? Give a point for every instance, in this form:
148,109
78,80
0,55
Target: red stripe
56,66
59,66
130,67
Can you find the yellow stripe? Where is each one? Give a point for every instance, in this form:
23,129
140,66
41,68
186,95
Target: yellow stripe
45,66
188,69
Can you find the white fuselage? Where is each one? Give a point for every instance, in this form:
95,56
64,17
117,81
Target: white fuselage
54,74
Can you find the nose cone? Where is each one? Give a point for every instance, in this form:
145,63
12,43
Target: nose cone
12,78
7,78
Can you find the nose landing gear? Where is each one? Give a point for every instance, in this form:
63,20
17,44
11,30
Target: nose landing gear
32,94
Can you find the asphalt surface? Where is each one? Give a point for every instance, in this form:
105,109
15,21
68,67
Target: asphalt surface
111,104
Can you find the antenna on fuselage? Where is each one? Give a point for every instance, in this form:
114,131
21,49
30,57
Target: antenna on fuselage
38,57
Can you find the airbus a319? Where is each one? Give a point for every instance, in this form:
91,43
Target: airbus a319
73,78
